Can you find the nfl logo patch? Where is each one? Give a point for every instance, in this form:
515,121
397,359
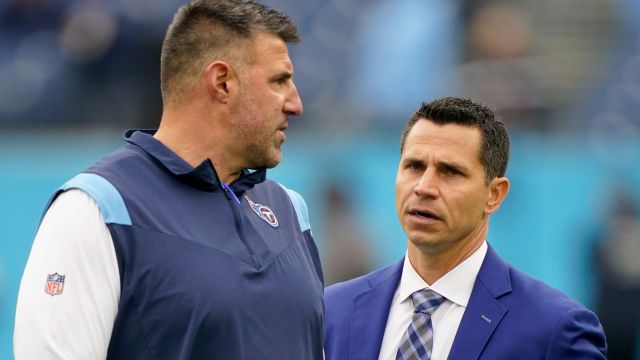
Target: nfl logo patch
55,284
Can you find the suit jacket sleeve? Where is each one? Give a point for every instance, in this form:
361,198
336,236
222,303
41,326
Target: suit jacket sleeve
578,335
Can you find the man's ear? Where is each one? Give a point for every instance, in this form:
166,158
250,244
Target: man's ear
498,190
221,81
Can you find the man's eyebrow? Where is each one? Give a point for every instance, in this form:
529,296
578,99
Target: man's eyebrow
412,159
439,163
284,75
452,164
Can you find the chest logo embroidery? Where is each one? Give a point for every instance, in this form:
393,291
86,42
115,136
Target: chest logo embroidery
264,213
55,284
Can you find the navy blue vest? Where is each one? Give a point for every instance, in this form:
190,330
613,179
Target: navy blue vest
207,271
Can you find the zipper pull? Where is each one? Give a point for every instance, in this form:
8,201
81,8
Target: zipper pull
228,190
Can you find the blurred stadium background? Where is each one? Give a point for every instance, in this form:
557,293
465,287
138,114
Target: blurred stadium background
564,75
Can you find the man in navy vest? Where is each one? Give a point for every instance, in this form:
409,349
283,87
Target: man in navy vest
451,296
176,246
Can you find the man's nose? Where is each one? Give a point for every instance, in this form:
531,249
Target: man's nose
427,185
293,103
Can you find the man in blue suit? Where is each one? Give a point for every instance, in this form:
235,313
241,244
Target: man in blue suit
452,296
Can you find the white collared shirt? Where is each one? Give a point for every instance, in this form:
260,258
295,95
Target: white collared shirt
455,286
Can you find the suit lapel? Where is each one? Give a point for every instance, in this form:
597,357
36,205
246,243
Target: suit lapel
484,312
370,313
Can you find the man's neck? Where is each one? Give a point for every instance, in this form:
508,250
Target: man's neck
432,264
195,142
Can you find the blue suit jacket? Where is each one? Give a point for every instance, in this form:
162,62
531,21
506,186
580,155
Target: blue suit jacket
509,316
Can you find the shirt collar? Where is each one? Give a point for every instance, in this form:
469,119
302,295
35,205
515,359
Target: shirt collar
456,285
203,177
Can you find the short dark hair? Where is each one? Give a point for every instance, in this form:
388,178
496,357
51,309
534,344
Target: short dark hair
494,151
204,28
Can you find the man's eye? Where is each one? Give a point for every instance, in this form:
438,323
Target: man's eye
415,166
282,80
452,171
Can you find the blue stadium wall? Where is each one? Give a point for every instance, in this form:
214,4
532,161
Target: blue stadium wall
559,197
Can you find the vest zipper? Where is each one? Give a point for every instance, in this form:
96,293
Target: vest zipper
237,219
228,191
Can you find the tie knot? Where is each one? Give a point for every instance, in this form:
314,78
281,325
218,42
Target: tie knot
426,301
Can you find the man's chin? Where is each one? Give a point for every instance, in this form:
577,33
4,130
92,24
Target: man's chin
275,159
273,164
425,243
270,163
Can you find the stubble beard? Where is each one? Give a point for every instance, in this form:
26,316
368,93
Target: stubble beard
259,155
261,148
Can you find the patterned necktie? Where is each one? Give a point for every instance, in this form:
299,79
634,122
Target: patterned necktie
417,341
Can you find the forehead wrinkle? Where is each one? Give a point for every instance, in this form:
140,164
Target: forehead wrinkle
437,160
441,149
262,43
